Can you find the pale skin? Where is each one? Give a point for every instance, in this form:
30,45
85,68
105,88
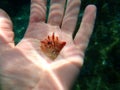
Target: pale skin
25,67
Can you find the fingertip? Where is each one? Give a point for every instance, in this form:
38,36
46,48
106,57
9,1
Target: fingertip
89,14
3,14
6,28
5,21
92,8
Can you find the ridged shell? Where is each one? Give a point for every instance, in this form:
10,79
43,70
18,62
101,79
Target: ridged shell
51,46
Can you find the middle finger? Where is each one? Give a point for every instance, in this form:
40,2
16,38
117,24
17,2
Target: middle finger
56,12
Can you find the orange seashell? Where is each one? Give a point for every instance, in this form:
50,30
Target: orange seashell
51,46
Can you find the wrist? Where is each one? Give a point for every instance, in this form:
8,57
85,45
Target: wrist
49,82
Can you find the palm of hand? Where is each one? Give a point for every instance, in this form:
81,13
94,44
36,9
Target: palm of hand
28,64
26,67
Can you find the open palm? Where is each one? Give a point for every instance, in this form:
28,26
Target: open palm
25,66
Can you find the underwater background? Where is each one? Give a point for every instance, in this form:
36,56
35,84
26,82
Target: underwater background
101,70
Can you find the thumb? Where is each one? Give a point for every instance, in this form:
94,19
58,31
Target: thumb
6,33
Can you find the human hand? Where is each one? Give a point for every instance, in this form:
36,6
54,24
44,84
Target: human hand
25,67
